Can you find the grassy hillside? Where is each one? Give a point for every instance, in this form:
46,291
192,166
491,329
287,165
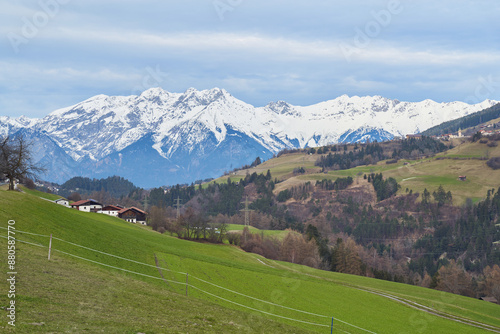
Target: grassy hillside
50,197
281,167
63,295
235,228
70,294
416,175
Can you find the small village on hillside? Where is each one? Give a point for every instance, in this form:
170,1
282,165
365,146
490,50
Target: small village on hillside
483,130
131,215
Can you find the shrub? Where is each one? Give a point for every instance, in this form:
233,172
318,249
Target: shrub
29,183
74,197
492,144
300,170
284,196
233,238
494,163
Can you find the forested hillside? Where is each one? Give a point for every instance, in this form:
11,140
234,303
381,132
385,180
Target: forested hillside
368,225
114,185
464,122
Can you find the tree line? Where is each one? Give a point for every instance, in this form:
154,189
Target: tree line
371,153
116,186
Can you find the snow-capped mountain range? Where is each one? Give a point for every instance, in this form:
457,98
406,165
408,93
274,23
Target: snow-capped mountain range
160,138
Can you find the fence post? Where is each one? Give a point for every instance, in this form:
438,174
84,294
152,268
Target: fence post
331,332
187,275
50,245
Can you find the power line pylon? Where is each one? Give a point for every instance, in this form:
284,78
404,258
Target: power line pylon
178,206
247,212
247,218
497,243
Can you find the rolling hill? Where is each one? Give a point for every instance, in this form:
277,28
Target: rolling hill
102,277
465,159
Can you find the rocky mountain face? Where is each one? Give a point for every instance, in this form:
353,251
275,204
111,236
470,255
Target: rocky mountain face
160,138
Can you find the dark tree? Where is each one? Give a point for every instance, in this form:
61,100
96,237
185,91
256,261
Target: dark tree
477,136
29,183
256,162
75,197
426,196
383,188
442,197
16,161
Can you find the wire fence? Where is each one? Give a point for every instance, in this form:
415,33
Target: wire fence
190,284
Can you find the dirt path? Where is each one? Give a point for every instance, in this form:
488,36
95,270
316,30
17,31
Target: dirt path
435,312
411,304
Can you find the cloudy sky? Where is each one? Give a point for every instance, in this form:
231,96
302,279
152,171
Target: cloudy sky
55,53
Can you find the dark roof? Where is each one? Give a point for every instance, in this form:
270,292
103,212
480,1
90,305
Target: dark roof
490,299
85,202
111,207
132,209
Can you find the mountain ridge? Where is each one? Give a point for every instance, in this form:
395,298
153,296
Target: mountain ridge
191,129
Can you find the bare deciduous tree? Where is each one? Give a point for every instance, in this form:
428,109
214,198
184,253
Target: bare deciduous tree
491,284
16,161
453,278
75,197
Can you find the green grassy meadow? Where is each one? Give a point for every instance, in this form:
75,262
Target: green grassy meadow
270,233
71,294
50,197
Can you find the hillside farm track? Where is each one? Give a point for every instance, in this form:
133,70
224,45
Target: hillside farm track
409,303
432,311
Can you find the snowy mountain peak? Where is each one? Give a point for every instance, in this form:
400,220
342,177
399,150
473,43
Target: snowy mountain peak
207,132
281,108
26,121
10,125
154,92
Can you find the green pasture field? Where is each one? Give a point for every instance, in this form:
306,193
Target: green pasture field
270,233
48,196
71,294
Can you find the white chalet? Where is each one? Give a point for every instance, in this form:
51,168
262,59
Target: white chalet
62,201
87,205
111,210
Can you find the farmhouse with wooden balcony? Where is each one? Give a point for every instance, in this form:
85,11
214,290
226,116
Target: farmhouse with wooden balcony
133,215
